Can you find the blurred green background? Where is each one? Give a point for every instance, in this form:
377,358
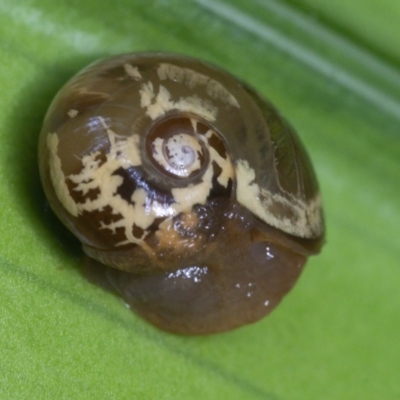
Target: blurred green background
333,69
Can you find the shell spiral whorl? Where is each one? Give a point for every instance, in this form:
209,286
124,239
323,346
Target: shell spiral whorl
172,173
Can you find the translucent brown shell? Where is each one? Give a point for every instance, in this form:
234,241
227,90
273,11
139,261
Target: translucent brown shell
193,198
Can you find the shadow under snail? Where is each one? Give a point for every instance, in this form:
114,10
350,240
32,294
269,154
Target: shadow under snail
192,197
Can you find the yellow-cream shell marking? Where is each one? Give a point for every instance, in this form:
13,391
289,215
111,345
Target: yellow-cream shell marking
194,149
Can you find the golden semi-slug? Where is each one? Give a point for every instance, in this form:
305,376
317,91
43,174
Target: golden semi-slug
192,197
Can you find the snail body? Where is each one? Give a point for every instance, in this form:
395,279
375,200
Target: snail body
192,198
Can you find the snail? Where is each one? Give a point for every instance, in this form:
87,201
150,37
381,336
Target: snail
194,200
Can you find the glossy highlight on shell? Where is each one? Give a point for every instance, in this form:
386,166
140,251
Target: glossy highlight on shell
193,198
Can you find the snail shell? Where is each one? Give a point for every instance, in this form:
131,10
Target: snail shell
193,199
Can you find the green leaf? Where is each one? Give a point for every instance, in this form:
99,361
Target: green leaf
332,68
